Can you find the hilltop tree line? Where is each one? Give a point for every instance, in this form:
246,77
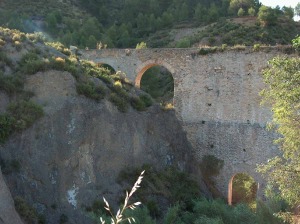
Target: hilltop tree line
124,23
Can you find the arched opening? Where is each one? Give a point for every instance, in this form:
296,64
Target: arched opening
107,67
242,188
157,81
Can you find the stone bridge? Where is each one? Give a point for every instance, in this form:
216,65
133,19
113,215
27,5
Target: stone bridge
216,97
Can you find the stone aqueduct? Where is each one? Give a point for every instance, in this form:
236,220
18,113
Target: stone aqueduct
216,97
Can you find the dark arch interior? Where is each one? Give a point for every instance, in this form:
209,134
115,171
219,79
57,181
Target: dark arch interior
159,83
108,67
244,189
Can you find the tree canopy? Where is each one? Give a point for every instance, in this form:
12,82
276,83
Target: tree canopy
283,93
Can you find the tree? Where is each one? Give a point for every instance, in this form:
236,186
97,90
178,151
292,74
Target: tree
266,16
251,11
241,12
200,13
91,42
283,93
288,12
297,9
51,22
235,5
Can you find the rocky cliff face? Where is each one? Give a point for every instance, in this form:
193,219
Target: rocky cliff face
72,156
8,214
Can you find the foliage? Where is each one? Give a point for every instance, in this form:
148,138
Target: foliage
146,99
236,5
4,58
158,82
283,94
137,103
241,12
244,190
90,90
60,47
256,47
296,43
183,43
297,9
119,101
118,218
31,63
141,45
230,33
156,187
11,84
6,126
266,16
63,219
251,11
21,115
27,212
25,113
10,166
210,167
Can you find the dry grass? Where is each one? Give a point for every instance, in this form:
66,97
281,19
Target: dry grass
118,218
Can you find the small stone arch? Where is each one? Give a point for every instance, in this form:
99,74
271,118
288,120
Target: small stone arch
230,187
106,65
148,64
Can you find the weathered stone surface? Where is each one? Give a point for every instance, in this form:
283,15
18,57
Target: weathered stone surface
72,156
216,97
4,101
8,214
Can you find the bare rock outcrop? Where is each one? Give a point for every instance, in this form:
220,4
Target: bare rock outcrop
8,214
73,155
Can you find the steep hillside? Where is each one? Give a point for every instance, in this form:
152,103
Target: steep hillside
123,24
68,128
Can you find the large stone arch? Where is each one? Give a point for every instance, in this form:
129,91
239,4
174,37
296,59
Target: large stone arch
141,69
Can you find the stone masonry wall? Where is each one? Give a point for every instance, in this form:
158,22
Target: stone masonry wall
216,97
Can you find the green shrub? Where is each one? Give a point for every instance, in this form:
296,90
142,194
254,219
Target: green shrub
5,59
10,166
63,219
90,90
32,67
137,103
119,101
146,99
183,43
209,50
25,113
27,212
6,126
141,215
2,42
224,47
256,47
11,84
60,47
30,63
141,45
210,166
18,45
